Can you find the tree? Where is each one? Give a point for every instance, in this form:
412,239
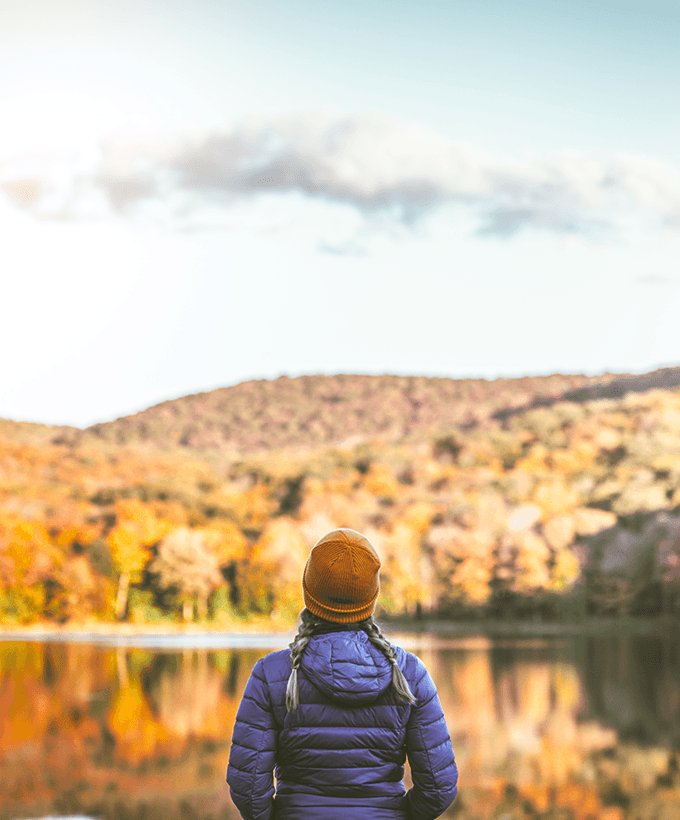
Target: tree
137,528
276,565
28,560
186,564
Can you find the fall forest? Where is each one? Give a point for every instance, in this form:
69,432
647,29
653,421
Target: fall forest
552,498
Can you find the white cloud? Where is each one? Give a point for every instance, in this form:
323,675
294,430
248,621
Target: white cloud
368,162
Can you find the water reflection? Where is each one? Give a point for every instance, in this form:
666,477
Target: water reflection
137,732
634,685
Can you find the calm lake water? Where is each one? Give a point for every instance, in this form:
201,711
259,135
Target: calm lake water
590,724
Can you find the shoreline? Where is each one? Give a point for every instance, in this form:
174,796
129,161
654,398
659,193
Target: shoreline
487,628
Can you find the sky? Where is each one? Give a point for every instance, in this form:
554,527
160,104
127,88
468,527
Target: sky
193,194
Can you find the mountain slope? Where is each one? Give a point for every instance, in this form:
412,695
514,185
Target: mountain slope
309,411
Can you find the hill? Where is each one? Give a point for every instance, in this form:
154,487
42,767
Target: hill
311,411
27,432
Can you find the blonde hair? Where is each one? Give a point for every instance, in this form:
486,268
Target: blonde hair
311,625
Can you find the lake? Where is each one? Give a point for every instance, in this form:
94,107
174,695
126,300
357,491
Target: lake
564,727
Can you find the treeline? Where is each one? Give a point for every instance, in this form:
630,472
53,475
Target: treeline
557,511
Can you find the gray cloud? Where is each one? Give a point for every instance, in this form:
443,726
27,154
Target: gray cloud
373,164
508,219
655,280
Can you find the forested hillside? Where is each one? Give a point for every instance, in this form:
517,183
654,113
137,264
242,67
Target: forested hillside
519,502
310,411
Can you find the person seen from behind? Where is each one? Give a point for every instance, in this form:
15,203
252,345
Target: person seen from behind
335,716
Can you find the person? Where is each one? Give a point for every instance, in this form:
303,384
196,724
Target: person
338,712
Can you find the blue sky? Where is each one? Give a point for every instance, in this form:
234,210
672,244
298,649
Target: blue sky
232,190
505,76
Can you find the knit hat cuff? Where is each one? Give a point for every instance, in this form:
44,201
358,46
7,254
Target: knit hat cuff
343,614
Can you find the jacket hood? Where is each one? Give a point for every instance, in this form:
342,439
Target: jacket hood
346,667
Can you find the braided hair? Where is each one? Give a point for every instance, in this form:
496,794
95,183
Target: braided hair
311,625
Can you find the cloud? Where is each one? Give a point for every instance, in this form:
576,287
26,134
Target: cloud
376,165
655,280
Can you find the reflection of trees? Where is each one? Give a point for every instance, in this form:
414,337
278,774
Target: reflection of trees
634,686
137,731
191,699
25,702
516,714
81,725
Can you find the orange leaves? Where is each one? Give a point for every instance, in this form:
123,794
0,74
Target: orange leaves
81,592
275,567
566,570
28,552
472,580
281,545
79,533
578,457
137,528
380,482
255,507
227,541
335,507
418,517
555,497
172,512
407,569
535,462
531,564
142,518
27,559
473,571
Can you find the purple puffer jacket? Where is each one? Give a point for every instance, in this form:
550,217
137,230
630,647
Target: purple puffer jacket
340,755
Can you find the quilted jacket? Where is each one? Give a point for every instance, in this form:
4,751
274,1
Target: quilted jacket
340,755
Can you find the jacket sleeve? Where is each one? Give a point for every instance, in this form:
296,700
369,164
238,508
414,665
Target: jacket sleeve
430,754
250,772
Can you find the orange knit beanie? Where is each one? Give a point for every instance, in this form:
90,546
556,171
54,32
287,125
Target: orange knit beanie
340,582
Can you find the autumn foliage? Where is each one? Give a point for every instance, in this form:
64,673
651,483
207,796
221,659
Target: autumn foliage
559,508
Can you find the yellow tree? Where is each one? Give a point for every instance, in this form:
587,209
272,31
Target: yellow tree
227,541
408,570
137,528
28,559
471,579
276,564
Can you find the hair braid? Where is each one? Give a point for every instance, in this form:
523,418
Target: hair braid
309,626
376,637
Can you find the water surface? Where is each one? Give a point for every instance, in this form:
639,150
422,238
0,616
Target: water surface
140,727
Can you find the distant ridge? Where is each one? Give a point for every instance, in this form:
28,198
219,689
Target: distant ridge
28,432
609,387
663,379
309,411
312,411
